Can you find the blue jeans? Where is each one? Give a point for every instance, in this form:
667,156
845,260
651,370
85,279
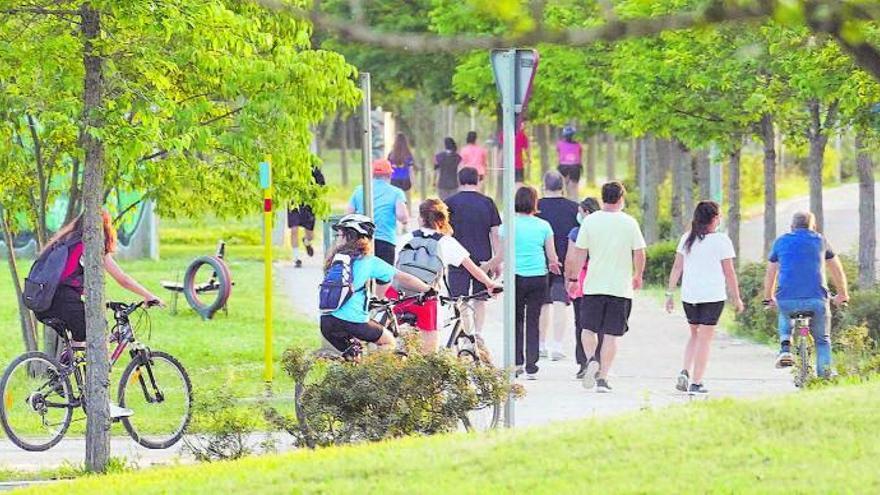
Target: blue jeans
819,327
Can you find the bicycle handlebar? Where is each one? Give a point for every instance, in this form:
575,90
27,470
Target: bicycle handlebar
479,295
128,309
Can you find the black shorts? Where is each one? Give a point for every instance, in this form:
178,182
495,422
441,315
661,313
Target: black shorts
606,314
301,217
556,291
462,283
67,306
519,174
340,332
405,184
571,172
385,251
703,313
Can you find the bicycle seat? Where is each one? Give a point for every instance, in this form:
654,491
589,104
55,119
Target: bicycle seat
56,324
407,318
795,315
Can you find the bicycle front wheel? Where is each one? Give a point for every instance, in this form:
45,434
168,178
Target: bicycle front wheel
36,410
158,390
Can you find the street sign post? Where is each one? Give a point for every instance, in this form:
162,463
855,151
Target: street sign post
514,72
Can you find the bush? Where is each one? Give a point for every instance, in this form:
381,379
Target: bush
225,428
661,256
385,396
864,309
756,321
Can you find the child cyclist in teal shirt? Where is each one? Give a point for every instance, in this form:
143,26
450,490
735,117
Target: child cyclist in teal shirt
354,233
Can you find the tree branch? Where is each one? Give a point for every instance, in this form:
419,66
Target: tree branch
716,11
40,11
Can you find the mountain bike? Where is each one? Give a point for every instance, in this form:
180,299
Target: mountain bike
466,344
41,393
803,342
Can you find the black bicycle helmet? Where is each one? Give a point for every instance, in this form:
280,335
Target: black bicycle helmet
361,224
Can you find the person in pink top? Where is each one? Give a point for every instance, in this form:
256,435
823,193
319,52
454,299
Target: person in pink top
570,164
475,156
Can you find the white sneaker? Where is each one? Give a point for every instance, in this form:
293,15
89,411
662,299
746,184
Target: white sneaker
542,353
557,356
117,412
589,380
531,376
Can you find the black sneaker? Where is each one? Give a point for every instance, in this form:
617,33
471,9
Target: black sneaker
697,389
602,386
580,374
310,250
298,264
681,384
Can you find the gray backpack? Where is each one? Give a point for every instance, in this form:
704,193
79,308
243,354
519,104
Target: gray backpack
420,258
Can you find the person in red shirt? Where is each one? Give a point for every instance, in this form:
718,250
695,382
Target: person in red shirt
521,155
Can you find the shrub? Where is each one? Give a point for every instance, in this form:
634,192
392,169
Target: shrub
864,309
385,396
756,321
225,426
661,256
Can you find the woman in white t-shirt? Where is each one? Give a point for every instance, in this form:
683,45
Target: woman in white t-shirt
704,262
434,217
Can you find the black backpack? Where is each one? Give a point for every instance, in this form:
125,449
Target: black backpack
45,275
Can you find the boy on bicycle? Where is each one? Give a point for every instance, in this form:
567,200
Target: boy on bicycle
350,318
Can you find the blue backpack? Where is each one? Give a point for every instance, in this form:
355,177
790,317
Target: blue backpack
45,275
338,284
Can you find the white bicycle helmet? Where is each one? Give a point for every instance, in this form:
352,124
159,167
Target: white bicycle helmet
361,224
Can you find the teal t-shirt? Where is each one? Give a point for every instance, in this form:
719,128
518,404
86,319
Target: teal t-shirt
385,199
531,234
365,269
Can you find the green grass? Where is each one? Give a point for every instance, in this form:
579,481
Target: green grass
823,441
225,352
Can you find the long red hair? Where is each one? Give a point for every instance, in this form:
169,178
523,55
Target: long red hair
77,226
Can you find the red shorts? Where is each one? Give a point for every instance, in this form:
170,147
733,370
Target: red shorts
425,313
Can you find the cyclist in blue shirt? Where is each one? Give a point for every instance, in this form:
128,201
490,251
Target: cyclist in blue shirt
352,319
795,281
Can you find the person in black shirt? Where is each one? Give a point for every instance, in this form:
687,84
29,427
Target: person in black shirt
446,164
561,213
475,222
303,216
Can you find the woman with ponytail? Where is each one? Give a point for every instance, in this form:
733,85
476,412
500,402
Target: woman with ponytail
434,216
704,262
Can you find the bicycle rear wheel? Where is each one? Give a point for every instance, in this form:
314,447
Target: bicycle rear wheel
159,392
803,373
36,410
487,413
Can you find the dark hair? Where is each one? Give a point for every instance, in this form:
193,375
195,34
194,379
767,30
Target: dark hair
471,137
468,176
590,205
435,215
356,245
450,145
704,214
526,200
400,152
612,192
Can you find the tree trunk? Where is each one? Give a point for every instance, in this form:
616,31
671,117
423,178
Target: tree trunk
702,175
637,145
632,158
592,148
733,199
97,369
650,192
28,328
867,222
678,187
610,156
543,148
687,184
818,138
768,136
74,194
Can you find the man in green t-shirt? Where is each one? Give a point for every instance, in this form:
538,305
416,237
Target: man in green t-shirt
617,259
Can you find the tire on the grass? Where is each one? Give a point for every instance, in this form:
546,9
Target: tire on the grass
224,281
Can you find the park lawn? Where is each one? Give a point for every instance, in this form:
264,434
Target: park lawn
226,352
817,441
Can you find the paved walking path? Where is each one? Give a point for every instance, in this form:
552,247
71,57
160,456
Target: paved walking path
643,376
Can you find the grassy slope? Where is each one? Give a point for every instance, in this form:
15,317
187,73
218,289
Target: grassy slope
226,352
815,441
